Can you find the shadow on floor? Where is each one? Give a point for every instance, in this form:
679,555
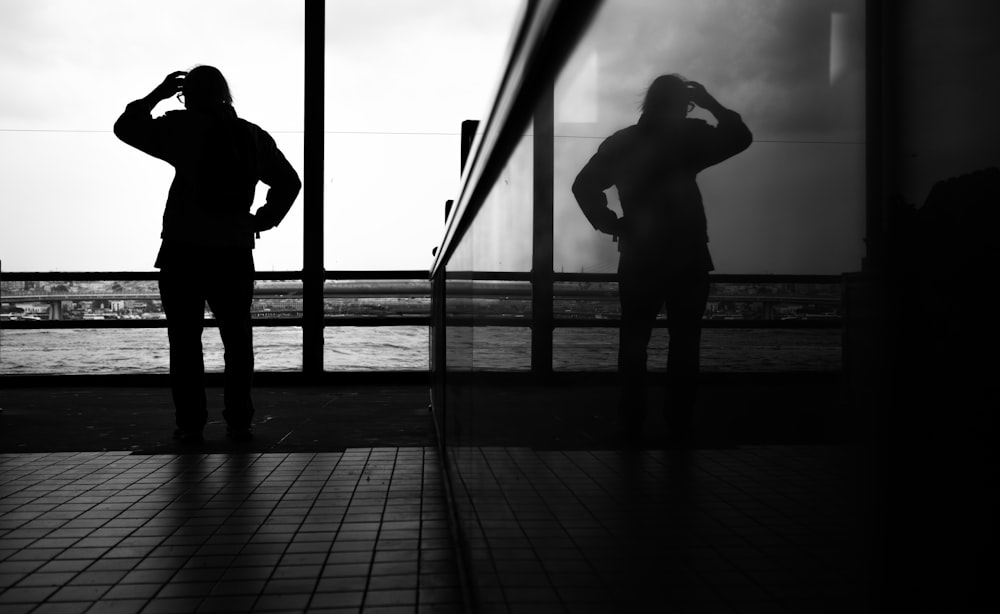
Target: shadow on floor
140,420
567,416
731,411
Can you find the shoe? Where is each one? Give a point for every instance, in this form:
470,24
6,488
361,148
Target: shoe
239,433
188,437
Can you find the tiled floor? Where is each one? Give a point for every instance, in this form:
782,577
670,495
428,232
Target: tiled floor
758,529
754,529
363,530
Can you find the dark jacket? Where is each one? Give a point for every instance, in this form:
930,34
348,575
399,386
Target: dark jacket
663,218
218,159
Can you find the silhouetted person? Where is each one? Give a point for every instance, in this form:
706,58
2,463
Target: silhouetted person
663,239
208,233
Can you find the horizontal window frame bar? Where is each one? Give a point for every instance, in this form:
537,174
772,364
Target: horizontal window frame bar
720,278
818,324
461,321
379,274
420,275
264,379
474,322
360,322
417,275
715,278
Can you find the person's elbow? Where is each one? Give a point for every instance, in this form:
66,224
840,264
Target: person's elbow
744,139
732,135
123,130
582,189
285,181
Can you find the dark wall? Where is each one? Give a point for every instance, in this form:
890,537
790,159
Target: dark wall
937,403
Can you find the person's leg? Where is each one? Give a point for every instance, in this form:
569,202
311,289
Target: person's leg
686,300
184,306
230,299
640,303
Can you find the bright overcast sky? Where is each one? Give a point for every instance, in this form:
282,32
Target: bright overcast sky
401,76
75,198
794,201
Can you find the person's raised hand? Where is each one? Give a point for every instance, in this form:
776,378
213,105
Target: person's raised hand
171,85
699,95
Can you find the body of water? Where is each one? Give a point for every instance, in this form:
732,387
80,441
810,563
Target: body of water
396,348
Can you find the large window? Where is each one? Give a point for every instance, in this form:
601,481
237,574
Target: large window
401,76
75,198
794,201
785,216
399,79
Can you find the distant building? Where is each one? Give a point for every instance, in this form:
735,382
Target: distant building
33,308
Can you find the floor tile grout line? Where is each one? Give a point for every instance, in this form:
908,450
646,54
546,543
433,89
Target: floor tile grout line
378,532
45,477
77,573
731,482
562,527
326,481
455,530
218,489
166,504
758,499
340,524
702,575
94,505
724,470
200,459
271,513
479,522
534,551
420,519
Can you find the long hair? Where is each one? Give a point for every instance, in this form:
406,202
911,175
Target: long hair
665,90
229,171
205,87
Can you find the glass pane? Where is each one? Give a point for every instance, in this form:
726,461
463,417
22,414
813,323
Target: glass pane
727,350
382,348
391,345
80,351
62,351
480,302
76,198
502,233
793,202
726,301
54,299
401,76
377,298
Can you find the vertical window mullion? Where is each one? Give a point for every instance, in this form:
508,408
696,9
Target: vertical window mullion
313,273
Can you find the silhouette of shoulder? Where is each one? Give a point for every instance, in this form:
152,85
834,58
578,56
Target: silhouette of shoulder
169,136
690,127
622,138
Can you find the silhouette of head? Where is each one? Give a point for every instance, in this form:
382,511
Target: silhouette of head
205,87
667,99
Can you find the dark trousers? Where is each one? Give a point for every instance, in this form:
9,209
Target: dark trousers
643,292
223,279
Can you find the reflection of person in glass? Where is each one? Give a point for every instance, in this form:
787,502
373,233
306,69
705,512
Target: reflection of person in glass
208,233
663,239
